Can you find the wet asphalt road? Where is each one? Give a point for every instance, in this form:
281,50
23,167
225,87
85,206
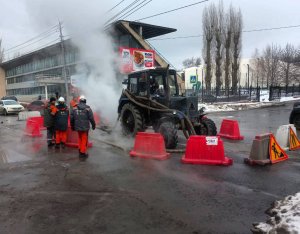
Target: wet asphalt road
50,191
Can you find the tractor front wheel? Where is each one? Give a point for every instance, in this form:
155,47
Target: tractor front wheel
169,132
207,127
131,120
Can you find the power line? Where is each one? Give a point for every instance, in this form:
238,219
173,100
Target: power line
114,6
138,8
36,49
245,31
176,9
124,9
33,38
33,42
170,38
160,54
269,29
43,46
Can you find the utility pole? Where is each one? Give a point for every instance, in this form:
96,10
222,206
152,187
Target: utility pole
248,78
202,85
64,70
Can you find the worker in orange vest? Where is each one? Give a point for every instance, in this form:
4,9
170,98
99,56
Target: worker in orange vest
61,123
81,118
73,103
49,120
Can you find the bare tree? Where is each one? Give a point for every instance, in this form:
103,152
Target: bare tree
1,52
297,65
255,64
227,45
266,64
218,15
191,62
288,57
208,33
271,64
275,62
237,25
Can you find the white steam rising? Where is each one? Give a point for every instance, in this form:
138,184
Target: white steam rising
84,22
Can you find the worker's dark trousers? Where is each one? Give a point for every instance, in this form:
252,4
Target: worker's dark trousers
50,135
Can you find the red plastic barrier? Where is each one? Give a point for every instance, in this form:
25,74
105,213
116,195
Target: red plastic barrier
32,129
230,130
40,121
205,150
150,146
72,139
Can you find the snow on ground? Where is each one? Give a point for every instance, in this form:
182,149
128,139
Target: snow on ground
286,99
234,106
284,217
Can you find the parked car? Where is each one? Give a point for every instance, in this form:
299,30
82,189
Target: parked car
9,98
295,115
10,106
38,105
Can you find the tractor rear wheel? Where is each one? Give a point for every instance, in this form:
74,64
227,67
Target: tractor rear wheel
169,132
207,127
131,120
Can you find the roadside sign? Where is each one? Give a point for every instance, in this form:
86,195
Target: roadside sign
293,140
211,140
193,79
277,154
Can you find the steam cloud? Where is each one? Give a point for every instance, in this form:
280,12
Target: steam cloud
84,22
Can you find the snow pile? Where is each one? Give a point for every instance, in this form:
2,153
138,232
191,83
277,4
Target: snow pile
215,107
219,107
236,106
285,217
286,99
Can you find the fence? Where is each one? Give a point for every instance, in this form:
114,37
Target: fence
225,95
277,92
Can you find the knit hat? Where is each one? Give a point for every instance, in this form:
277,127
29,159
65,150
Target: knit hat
52,99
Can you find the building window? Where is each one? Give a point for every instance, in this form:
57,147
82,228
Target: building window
124,41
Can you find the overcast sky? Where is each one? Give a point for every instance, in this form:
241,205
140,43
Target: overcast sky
20,22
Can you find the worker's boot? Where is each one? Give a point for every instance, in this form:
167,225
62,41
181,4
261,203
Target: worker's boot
63,145
82,156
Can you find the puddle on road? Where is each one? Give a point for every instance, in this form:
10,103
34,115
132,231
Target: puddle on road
10,156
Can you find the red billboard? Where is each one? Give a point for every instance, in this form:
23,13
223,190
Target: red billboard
133,59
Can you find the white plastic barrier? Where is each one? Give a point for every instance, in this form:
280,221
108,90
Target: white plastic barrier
282,135
24,115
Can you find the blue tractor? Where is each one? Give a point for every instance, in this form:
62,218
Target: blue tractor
152,99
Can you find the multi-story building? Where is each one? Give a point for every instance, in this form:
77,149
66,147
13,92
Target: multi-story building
41,72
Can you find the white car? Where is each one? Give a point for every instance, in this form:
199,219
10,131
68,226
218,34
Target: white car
10,106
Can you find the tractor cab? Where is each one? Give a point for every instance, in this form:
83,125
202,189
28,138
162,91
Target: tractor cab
153,83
